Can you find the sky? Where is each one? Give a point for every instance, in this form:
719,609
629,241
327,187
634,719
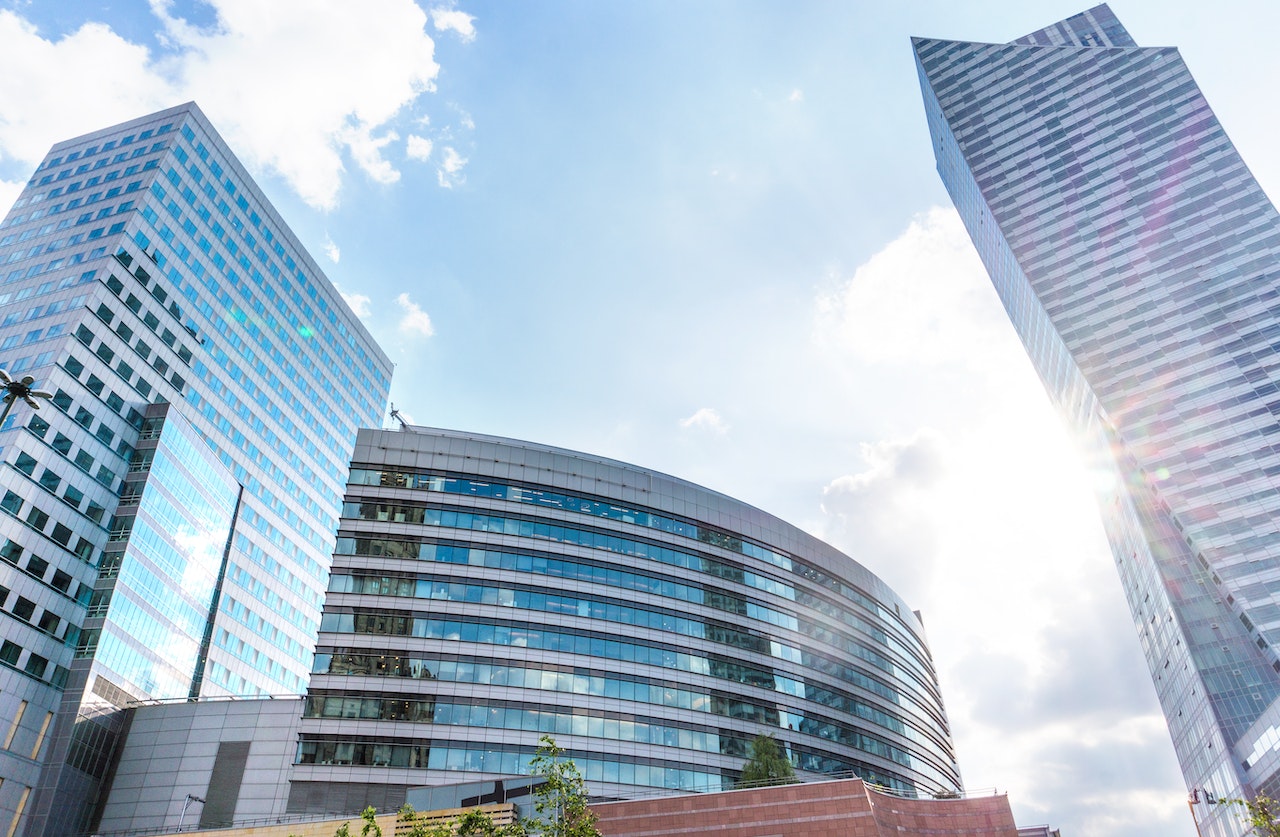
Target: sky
707,238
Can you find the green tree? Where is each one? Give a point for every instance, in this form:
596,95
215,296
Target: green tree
416,826
1262,813
561,799
766,765
344,830
370,827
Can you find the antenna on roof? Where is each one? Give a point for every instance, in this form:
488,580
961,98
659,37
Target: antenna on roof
395,414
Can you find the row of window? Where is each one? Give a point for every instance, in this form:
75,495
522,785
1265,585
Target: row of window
35,665
83,460
615,686
509,760
612,510
140,348
38,568
613,726
624,579
38,519
610,542
48,622
522,635
545,602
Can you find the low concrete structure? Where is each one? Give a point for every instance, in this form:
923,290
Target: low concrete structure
845,808
235,755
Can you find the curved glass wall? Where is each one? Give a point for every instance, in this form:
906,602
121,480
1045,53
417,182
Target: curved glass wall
485,592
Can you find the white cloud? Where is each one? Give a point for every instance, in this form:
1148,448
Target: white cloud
885,514
989,523
923,299
42,107
705,418
366,150
449,173
417,148
265,73
359,304
414,321
331,250
452,20
797,95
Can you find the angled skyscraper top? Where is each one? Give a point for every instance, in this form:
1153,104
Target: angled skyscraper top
1140,263
166,523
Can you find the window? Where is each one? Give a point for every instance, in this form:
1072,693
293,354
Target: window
37,566
36,665
105,352
106,314
105,434
11,503
115,402
124,331
61,581
10,552
62,401
37,518
73,366
25,463
38,426
49,481
61,444
84,418
83,460
72,496
10,652
49,623
24,608
84,335
95,512
94,385
61,534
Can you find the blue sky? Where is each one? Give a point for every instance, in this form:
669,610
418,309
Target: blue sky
707,238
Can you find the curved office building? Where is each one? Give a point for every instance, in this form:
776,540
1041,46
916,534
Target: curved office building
487,591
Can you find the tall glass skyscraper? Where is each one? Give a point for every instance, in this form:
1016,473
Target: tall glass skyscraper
166,521
1140,262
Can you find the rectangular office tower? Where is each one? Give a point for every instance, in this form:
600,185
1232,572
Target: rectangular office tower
1140,262
167,517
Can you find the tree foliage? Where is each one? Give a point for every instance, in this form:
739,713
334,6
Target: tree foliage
766,765
560,801
1262,813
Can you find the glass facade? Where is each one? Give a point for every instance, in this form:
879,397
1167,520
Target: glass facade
1136,256
167,519
485,592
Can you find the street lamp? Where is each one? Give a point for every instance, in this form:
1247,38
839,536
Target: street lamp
13,390
191,797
